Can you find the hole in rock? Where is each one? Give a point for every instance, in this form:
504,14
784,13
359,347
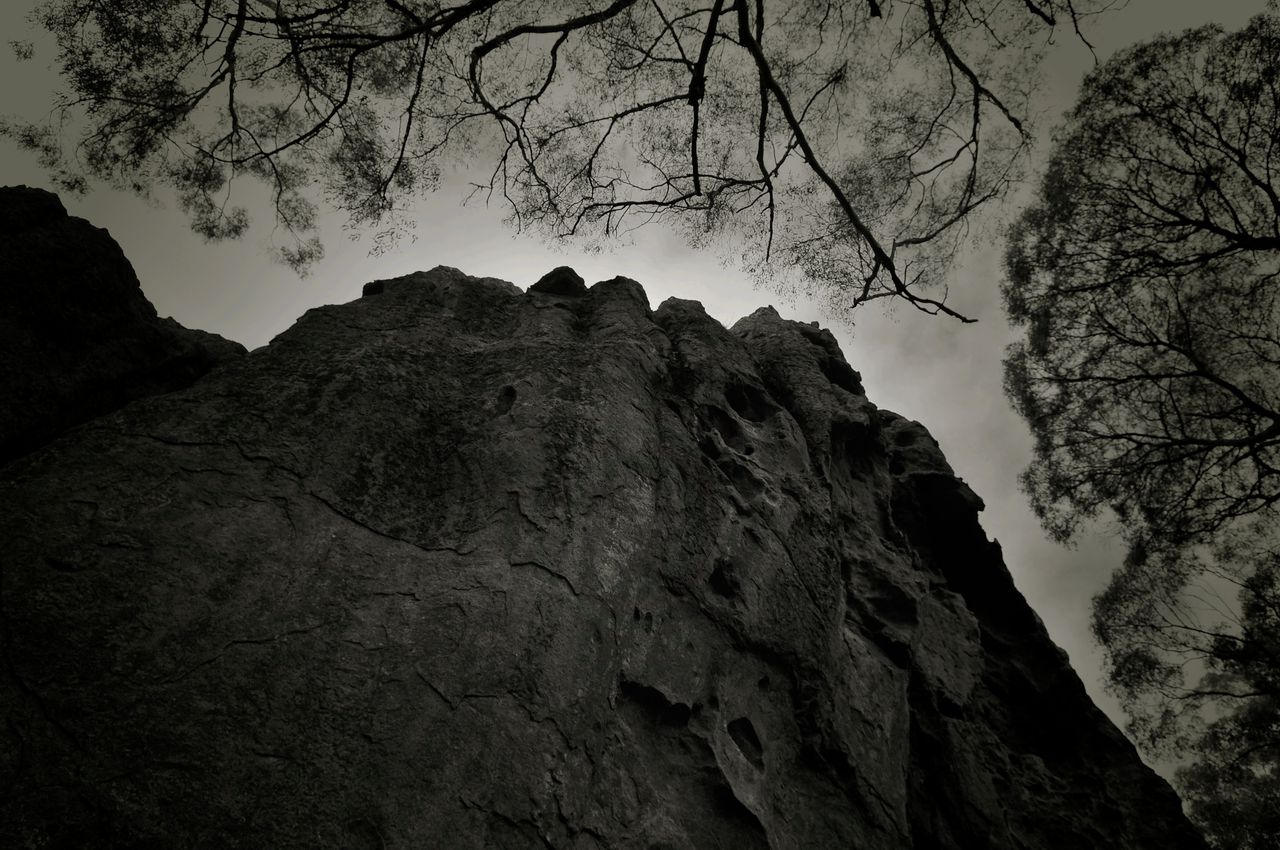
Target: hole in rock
905,437
506,398
749,402
655,703
726,804
852,445
728,428
362,833
841,374
63,564
742,478
724,578
892,647
644,618
744,735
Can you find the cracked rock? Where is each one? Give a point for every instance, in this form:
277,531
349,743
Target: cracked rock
448,567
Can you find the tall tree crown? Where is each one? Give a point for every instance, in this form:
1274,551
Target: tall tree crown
1147,277
1145,273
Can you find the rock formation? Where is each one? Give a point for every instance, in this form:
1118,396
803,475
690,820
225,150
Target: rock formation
77,336
460,566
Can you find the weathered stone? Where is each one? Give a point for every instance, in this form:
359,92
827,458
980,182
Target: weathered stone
457,566
561,280
77,336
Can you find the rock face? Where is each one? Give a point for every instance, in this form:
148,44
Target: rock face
77,336
459,566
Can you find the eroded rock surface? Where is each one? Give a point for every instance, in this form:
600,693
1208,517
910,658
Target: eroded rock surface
460,566
77,336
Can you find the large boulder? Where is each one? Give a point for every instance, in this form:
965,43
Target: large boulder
460,566
77,336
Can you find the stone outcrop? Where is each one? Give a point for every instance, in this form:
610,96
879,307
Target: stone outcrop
77,336
456,565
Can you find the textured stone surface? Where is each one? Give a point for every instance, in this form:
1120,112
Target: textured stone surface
77,336
459,566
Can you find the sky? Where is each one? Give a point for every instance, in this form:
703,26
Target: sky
942,373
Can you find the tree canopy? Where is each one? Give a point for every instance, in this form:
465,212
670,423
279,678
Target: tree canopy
1232,783
1147,277
849,142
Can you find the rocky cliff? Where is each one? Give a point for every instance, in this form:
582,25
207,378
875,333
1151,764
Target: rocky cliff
77,336
456,565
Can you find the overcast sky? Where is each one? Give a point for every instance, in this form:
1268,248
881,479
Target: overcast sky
944,374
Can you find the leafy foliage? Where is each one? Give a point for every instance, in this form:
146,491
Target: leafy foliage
852,142
1234,785
1147,276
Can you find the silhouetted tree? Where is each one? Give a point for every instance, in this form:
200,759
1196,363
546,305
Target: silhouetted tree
1147,276
1233,785
851,140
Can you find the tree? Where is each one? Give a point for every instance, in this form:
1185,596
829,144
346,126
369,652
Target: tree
851,142
1147,276
1233,785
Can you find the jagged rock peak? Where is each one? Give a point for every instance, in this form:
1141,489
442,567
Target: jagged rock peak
24,208
77,336
458,566
561,280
